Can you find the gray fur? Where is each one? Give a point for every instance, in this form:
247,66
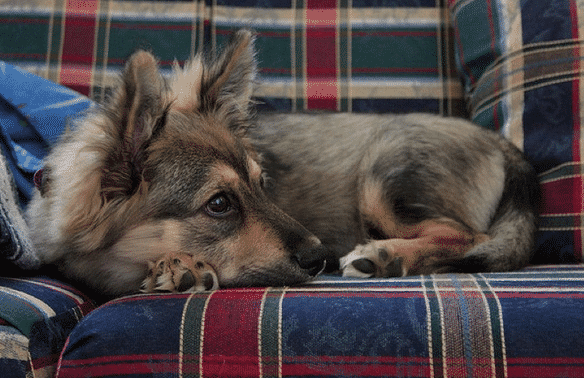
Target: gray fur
430,167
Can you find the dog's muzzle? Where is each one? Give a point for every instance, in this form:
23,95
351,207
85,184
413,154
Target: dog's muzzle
311,260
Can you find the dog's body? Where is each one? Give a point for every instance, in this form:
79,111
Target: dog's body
426,193
166,188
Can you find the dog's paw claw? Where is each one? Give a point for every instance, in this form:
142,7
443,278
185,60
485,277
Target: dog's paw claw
178,272
371,260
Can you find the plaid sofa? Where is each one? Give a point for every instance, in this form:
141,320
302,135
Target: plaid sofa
508,65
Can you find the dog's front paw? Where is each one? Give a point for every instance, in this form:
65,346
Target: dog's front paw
178,272
372,260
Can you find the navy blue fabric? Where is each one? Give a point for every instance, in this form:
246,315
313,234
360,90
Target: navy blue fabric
34,112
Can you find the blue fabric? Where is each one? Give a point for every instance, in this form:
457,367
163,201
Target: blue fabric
34,112
16,246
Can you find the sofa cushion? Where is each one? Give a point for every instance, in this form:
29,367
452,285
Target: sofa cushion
498,324
36,316
521,62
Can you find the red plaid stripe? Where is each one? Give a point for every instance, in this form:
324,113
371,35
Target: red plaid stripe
120,365
554,204
545,367
241,323
355,366
322,87
77,47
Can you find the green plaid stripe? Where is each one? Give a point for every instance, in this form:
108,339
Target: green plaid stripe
270,333
190,342
484,32
298,100
559,222
345,46
562,171
469,21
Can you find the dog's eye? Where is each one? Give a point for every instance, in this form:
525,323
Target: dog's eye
219,206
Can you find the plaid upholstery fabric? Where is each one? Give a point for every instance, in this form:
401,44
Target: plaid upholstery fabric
522,67
36,316
359,55
522,324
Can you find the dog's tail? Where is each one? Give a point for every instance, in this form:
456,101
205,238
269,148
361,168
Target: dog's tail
514,225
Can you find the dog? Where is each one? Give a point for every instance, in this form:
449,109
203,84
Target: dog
177,185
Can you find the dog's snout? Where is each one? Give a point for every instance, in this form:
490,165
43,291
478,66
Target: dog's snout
311,259
305,250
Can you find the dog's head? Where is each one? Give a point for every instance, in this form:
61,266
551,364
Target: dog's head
177,174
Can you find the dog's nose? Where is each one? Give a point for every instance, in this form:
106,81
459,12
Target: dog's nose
312,259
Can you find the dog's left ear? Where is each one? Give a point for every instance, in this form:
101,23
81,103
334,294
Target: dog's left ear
224,84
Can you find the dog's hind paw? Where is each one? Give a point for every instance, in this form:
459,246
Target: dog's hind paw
178,272
372,260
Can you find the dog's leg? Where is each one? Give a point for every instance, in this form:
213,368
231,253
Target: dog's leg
178,272
435,242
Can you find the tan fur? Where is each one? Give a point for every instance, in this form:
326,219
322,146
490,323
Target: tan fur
417,248
186,84
417,245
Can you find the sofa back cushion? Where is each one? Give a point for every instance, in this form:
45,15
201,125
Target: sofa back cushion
521,65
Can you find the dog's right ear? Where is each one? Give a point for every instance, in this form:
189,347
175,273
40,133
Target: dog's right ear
136,113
